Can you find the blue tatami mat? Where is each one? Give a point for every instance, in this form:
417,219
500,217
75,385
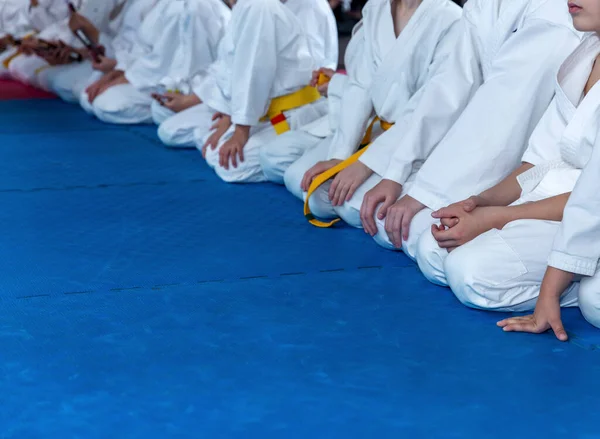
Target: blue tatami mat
143,235
110,157
330,355
52,118
143,298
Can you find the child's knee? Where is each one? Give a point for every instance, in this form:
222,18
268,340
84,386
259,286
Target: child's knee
270,163
320,204
381,237
430,258
589,300
349,214
292,178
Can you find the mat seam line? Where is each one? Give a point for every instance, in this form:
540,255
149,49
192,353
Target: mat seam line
102,186
573,338
221,280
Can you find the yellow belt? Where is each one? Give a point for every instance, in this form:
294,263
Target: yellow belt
304,96
8,60
41,69
330,173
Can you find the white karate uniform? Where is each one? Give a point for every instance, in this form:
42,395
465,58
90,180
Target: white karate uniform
14,21
21,21
122,48
176,39
390,78
13,17
177,129
278,156
50,12
70,80
318,23
481,107
503,269
263,61
576,246
29,68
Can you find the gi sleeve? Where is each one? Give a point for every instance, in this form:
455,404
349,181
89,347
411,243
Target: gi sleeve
487,141
147,71
322,40
453,75
356,105
577,244
254,64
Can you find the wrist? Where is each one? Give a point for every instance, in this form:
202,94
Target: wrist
95,36
484,200
500,217
243,130
92,33
549,293
555,283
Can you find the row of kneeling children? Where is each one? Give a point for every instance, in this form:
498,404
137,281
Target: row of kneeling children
463,137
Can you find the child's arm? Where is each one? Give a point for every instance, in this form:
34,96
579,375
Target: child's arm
547,310
466,226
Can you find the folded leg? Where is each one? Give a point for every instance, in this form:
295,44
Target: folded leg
502,270
123,104
25,68
180,129
67,81
277,156
248,171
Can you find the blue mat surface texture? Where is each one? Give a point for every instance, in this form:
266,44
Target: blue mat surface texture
143,298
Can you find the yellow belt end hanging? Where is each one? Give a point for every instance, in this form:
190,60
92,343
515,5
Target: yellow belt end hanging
280,124
316,184
318,223
322,178
323,79
7,61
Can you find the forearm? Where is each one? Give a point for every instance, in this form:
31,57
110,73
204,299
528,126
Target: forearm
555,283
507,191
109,77
92,32
550,209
